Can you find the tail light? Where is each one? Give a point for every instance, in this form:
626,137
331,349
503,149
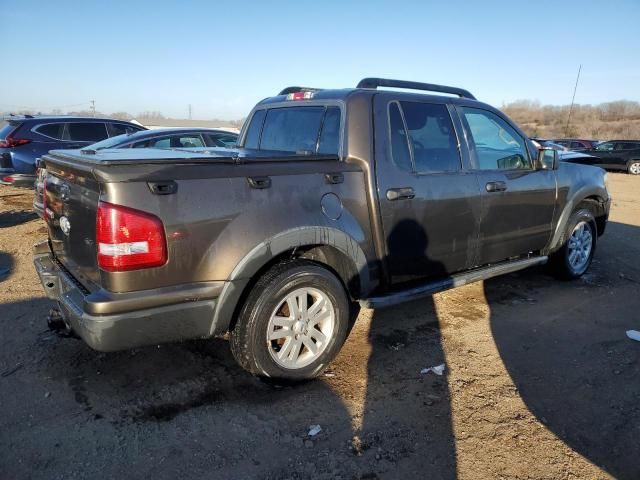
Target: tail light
11,142
129,239
8,179
300,96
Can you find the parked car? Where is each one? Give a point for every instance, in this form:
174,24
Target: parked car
170,138
26,137
156,138
333,199
541,143
576,144
619,155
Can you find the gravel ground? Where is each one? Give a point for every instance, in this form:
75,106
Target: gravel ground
540,382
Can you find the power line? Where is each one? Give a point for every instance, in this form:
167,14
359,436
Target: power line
566,130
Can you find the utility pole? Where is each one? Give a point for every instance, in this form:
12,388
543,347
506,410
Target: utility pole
189,111
566,130
93,107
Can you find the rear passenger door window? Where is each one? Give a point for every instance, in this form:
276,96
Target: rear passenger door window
431,137
496,145
116,129
87,132
400,152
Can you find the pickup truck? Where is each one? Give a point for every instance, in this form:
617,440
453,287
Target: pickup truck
333,200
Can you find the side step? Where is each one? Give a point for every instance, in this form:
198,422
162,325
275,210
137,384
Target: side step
453,281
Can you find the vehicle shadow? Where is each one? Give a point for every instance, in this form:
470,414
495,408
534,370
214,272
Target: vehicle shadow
407,415
16,217
6,265
21,208
379,416
568,355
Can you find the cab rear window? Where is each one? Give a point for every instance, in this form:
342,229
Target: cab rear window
313,129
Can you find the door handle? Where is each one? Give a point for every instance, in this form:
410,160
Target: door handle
259,182
404,193
496,186
334,177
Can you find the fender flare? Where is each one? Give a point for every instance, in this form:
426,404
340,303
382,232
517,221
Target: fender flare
557,239
271,248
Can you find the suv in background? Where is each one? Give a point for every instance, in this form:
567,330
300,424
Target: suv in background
171,138
616,155
25,138
575,144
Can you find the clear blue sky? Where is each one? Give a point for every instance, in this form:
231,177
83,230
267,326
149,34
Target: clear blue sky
223,56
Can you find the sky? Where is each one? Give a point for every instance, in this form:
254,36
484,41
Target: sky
224,56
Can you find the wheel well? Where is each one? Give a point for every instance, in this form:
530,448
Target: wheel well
597,207
327,256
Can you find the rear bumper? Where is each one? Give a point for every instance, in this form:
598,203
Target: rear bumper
109,321
9,177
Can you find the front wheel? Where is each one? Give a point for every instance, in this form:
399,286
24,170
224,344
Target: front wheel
294,322
634,167
575,256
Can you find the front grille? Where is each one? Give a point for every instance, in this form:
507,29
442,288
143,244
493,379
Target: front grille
5,161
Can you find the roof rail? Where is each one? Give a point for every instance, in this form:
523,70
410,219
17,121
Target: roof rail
289,90
385,82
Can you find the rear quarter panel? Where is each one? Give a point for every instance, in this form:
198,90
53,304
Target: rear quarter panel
215,220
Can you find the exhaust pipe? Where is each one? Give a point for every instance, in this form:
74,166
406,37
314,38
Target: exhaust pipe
57,324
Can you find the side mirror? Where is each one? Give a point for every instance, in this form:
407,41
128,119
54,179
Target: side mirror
547,159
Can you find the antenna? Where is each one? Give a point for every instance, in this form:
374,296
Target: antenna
93,107
566,129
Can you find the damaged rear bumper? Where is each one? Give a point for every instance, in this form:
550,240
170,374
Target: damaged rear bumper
109,321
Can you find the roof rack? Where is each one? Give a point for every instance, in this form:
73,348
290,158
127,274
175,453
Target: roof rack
13,116
289,90
385,82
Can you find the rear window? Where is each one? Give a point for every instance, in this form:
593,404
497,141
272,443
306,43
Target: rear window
295,129
7,129
87,132
51,130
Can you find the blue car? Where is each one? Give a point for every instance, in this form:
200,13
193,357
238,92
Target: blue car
171,138
166,138
25,138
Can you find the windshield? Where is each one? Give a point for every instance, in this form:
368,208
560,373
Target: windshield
109,142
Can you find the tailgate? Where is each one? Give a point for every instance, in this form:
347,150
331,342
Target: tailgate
70,196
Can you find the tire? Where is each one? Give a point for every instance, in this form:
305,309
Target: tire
634,167
275,307
573,259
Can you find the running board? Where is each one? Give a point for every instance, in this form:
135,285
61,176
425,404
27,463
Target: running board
453,281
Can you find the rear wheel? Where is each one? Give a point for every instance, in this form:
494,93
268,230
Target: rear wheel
293,323
634,167
575,256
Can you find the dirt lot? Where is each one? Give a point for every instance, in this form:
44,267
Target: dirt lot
541,382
